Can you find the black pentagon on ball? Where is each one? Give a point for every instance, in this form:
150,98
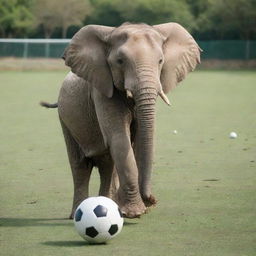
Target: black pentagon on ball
100,211
113,229
91,232
78,215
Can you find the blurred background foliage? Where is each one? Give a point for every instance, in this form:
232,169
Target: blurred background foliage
205,19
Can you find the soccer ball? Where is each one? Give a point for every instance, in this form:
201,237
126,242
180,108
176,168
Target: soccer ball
98,219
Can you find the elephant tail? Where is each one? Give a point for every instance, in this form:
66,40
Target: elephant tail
48,105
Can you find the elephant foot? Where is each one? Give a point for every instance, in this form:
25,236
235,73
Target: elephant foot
149,201
72,214
130,207
74,207
133,210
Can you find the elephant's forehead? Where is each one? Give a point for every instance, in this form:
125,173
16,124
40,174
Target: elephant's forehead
135,31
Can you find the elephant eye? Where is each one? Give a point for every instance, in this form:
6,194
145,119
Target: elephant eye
120,61
160,61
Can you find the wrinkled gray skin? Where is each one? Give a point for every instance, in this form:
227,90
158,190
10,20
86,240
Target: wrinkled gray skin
107,105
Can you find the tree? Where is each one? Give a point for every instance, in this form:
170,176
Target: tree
52,14
228,16
105,12
115,12
45,10
157,11
16,18
24,21
206,19
72,12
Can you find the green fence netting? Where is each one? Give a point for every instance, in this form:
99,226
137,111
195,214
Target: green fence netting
219,49
228,49
32,48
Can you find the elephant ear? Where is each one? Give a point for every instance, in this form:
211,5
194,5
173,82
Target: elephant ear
181,53
86,55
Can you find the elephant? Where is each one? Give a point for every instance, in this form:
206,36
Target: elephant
107,105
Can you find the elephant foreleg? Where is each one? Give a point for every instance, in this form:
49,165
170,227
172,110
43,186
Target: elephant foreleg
114,121
128,195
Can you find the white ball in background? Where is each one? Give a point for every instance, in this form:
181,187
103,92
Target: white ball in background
232,135
175,132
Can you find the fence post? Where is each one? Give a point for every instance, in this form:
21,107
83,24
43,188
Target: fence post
247,49
47,50
25,50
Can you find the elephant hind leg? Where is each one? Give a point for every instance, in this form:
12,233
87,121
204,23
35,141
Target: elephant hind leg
115,184
108,180
81,167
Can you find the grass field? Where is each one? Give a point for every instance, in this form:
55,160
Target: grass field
204,181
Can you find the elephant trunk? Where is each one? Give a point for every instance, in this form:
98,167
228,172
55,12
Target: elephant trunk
145,100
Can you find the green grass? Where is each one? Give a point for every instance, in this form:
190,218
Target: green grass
193,216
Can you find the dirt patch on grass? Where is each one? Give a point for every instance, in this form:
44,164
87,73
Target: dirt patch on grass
23,64
44,64
228,64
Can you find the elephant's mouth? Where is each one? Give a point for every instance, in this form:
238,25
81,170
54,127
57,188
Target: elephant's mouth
160,93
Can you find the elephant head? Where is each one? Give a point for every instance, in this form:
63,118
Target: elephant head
145,61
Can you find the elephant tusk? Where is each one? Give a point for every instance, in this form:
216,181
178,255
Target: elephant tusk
129,94
164,97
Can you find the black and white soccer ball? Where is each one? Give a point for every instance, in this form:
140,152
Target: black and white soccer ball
98,219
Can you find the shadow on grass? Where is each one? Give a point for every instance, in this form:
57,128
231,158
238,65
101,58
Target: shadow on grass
129,223
24,222
70,243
